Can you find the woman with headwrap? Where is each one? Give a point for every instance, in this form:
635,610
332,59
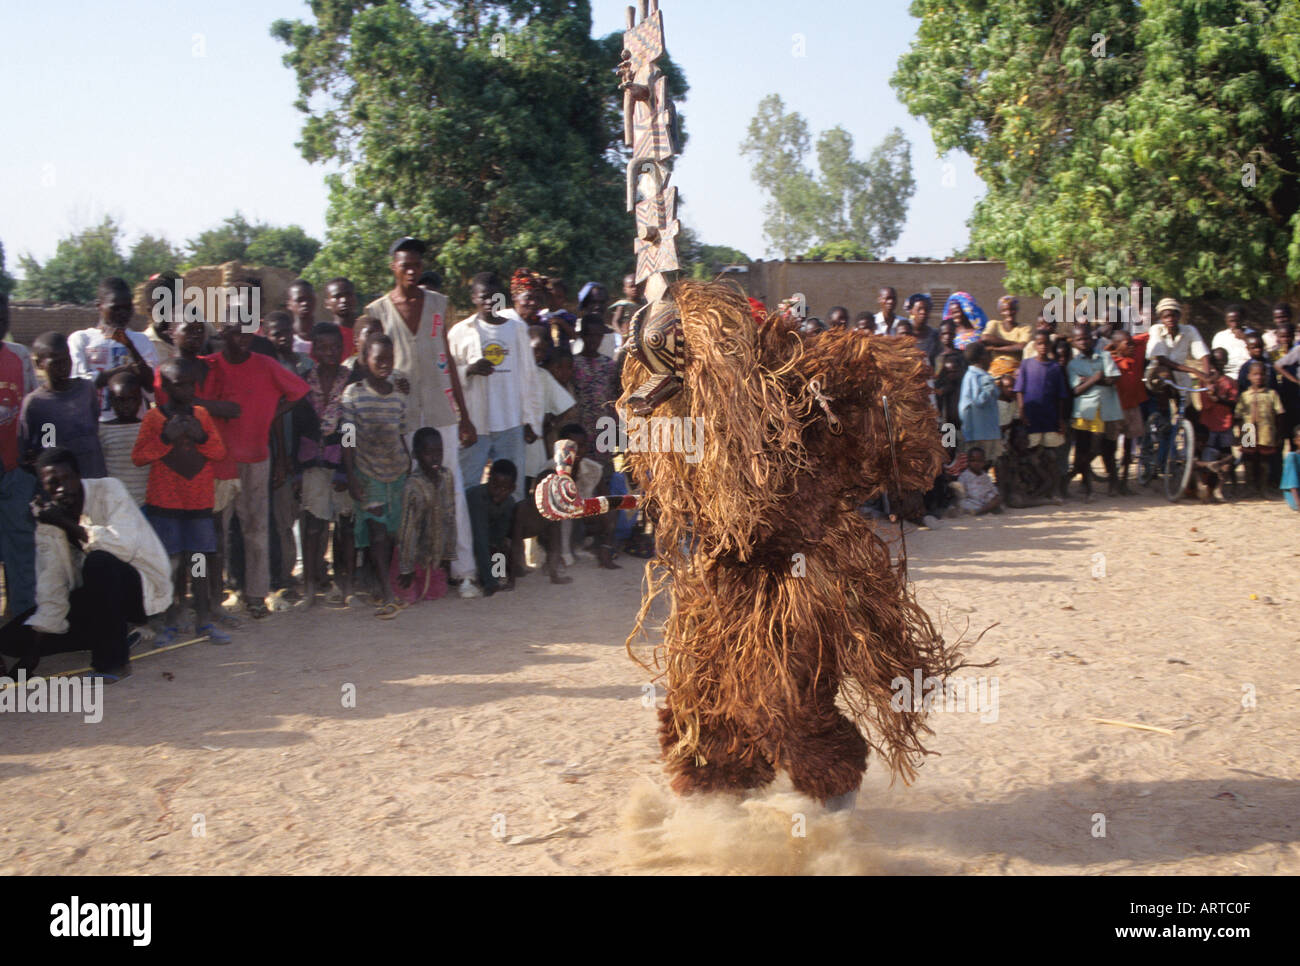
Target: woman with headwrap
528,295
968,316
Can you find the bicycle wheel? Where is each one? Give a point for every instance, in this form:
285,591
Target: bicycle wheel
1181,453
1147,446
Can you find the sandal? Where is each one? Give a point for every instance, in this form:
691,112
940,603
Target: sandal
111,677
213,633
388,611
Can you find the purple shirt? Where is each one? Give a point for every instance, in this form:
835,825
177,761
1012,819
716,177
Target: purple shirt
69,419
1043,384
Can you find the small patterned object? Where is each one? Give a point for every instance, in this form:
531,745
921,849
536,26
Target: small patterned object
557,495
656,341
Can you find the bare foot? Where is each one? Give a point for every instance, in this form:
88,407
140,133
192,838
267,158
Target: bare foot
557,578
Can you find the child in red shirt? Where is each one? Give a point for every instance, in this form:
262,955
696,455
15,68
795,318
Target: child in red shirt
179,442
1218,403
1129,352
261,390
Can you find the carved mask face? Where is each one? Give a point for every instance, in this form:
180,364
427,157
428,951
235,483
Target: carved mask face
655,340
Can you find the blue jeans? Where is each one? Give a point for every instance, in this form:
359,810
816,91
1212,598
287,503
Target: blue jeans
18,539
505,445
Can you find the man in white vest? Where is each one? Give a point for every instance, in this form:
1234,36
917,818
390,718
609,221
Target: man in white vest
415,319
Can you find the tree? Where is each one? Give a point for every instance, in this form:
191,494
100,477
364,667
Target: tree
87,257
852,251
860,203
778,143
1120,139
228,242
493,133
705,262
238,240
288,247
150,255
79,263
6,280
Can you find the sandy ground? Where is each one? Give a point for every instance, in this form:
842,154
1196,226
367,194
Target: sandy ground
513,734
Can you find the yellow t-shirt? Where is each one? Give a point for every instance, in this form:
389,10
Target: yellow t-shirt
997,329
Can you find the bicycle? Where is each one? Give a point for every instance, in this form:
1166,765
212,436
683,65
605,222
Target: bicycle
1168,447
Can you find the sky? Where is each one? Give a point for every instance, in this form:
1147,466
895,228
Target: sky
170,116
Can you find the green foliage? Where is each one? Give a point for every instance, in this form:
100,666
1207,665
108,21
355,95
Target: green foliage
860,203
1115,138
493,133
288,247
6,280
704,262
79,263
849,250
150,255
235,239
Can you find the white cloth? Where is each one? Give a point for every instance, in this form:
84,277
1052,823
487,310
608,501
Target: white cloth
980,489
462,565
117,440
93,353
555,400
422,356
1188,344
886,328
512,395
113,523
1237,351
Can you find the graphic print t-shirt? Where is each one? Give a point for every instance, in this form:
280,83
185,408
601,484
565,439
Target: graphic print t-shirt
500,396
93,352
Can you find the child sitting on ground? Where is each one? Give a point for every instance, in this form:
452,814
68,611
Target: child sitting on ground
426,539
981,494
117,436
1026,475
179,443
491,508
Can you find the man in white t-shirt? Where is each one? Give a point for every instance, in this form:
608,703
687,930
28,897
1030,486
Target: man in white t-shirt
1173,344
500,381
885,319
102,352
1233,341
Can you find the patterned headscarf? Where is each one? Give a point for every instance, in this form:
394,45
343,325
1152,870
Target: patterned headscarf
526,280
974,314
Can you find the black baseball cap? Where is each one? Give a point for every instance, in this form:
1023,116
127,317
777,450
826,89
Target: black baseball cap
407,244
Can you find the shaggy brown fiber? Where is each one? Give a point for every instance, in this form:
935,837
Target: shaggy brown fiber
783,596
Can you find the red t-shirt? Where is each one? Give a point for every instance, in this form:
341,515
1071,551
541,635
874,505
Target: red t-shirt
11,404
167,489
1132,392
1217,416
257,384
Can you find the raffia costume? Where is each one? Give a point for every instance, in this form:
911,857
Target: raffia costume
782,597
